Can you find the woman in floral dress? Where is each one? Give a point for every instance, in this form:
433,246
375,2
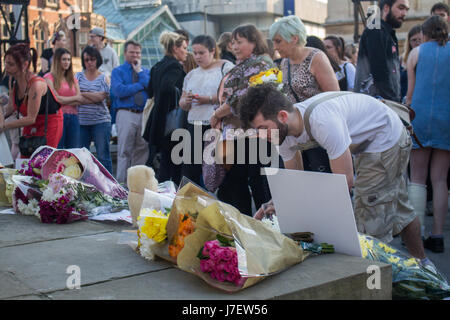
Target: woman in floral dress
252,56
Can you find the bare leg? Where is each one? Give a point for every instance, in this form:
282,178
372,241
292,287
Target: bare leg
413,241
419,165
440,162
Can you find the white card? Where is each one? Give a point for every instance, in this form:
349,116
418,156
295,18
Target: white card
315,202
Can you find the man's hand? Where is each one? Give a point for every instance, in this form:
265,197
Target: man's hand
137,65
266,209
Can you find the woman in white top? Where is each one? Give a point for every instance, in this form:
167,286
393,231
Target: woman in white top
336,49
199,97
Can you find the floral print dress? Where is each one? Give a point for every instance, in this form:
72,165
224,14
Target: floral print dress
236,85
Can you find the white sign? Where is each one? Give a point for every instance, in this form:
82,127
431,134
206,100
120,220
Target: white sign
315,202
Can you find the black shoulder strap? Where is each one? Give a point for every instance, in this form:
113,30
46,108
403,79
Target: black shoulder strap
289,81
221,69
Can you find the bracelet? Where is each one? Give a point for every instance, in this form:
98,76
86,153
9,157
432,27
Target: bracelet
210,100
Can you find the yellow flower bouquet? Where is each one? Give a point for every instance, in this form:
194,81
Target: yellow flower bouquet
410,279
273,75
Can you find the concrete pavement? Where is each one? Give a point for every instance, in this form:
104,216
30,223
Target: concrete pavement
37,261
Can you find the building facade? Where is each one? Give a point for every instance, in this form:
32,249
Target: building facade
45,17
340,20
142,21
216,16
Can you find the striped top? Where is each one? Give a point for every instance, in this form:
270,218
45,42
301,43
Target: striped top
90,114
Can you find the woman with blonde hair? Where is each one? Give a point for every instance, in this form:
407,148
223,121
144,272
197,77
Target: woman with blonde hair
63,82
165,86
225,45
413,40
306,72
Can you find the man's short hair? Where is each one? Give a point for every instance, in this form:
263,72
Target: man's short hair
133,43
389,3
440,6
264,98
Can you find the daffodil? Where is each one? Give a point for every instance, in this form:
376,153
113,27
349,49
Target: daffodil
394,260
387,248
411,262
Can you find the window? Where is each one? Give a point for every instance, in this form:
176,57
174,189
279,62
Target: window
52,3
83,38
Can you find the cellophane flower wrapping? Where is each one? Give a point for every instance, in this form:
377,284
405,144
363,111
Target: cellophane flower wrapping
80,164
181,221
410,279
61,199
152,222
261,251
27,193
6,186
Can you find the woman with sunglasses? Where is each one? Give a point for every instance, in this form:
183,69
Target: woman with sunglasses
93,113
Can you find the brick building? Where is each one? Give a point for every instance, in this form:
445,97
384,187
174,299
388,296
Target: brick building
45,17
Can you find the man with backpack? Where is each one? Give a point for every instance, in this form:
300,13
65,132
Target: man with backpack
346,123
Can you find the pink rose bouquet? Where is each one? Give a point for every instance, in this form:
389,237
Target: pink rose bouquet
219,259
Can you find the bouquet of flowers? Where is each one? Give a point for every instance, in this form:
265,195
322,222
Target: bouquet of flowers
410,279
227,249
61,199
152,221
80,164
152,226
218,258
27,193
33,167
273,75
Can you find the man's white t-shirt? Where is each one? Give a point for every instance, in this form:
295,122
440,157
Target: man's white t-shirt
349,119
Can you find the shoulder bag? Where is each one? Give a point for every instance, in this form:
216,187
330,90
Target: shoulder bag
28,144
176,118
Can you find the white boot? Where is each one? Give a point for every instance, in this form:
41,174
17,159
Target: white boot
417,194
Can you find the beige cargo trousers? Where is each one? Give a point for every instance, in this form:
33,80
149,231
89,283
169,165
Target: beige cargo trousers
381,205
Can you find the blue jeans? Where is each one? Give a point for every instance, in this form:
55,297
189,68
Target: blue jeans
71,132
101,134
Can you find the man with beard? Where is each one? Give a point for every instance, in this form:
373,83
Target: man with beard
345,123
378,69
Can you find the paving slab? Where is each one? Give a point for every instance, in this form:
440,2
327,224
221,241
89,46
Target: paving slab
10,286
43,266
334,276
19,229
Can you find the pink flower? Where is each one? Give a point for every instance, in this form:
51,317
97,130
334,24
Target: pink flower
217,253
227,254
205,266
211,245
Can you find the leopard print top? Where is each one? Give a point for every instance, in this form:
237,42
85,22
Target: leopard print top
302,81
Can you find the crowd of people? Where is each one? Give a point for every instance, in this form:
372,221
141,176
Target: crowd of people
200,85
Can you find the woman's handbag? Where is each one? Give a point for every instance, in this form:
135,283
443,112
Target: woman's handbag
176,118
28,144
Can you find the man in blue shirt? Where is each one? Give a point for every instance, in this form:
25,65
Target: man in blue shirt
128,83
